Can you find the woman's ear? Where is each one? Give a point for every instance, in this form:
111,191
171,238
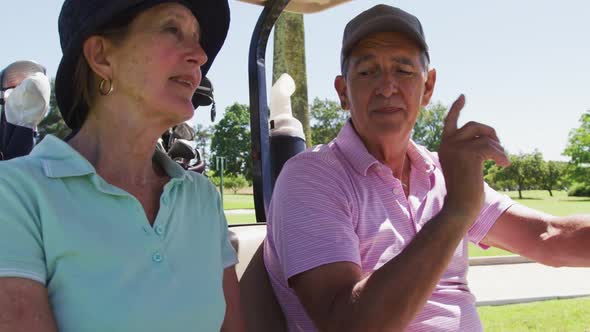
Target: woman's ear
95,50
340,86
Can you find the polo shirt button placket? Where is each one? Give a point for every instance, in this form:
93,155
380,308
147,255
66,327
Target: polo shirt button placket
147,230
159,230
157,257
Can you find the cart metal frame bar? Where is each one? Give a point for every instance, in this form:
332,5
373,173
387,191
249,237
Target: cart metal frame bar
259,110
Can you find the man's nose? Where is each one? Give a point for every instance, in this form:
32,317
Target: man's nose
387,85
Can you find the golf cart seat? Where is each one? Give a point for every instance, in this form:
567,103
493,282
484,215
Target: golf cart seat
262,312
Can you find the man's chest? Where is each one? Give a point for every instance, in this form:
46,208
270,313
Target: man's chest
388,220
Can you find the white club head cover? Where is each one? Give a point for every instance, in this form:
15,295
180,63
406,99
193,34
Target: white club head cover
28,103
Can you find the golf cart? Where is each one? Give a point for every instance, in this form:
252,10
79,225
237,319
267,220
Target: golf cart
261,309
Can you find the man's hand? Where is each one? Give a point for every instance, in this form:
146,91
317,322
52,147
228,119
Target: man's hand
462,153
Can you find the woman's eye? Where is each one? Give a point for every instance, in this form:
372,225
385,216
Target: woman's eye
172,29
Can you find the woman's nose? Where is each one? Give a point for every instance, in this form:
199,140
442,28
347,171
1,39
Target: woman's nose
196,54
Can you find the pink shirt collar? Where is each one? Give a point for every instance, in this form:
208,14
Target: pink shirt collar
356,153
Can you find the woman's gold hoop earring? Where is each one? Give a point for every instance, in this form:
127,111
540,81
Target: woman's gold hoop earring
101,87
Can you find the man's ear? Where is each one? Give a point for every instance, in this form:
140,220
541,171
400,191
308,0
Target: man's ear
95,50
340,86
429,87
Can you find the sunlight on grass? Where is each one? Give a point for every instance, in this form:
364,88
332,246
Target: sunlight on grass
557,315
560,204
476,251
232,202
236,219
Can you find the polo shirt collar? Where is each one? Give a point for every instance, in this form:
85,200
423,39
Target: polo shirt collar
60,160
355,151
421,158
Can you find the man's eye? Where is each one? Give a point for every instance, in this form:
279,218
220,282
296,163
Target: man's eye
367,72
404,72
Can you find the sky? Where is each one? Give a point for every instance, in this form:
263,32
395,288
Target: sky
522,65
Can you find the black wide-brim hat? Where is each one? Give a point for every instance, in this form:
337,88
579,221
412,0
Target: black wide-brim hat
80,19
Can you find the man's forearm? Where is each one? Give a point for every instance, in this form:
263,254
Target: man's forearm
550,240
401,287
567,242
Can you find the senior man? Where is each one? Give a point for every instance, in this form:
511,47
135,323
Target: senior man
370,232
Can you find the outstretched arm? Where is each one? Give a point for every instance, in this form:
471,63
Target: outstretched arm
550,240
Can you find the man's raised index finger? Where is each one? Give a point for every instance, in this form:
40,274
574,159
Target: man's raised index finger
453,116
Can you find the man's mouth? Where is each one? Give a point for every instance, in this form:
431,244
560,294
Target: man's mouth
388,110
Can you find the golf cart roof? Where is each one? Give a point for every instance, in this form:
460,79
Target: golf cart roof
304,6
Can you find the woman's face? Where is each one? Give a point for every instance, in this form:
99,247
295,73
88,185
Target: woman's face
157,65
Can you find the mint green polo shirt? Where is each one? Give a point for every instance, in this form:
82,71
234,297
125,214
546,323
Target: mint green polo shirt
90,243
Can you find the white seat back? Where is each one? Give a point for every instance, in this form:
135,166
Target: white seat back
262,312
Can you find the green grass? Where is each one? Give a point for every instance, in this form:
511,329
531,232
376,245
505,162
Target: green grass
571,315
560,204
236,219
239,201
475,251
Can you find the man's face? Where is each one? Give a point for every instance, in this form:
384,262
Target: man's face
385,86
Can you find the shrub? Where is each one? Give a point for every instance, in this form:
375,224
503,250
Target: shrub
235,183
215,180
579,190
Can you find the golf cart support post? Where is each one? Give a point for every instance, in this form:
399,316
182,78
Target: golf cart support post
261,157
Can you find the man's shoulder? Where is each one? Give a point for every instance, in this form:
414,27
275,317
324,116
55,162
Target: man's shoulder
317,165
322,155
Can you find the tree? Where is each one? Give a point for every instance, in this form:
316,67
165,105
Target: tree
327,118
429,126
235,183
522,174
203,137
289,57
487,166
552,176
578,149
231,140
53,123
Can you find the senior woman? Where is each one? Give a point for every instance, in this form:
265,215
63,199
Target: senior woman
102,232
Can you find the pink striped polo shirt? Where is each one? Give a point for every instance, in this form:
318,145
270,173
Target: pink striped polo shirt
336,203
